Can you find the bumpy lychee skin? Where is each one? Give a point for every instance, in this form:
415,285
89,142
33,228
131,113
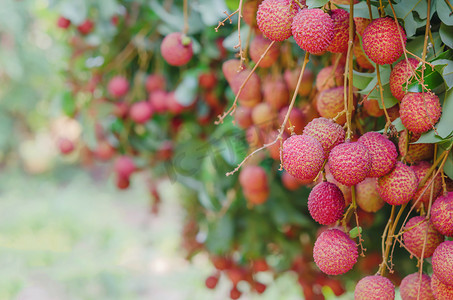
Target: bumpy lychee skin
360,56
419,112
421,169
340,20
442,262
414,237
327,132
302,156
313,30
383,153
399,186
175,50
442,214
415,152
374,288
327,78
381,41
441,291
367,196
361,24
326,203
335,252
274,18
350,163
118,86
399,75
409,287
330,103
258,46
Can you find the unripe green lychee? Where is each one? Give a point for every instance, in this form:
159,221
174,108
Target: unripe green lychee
442,214
415,152
441,291
175,51
330,103
302,156
313,30
421,169
328,78
442,262
367,195
274,18
257,48
414,237
374,287
399,186
419,112
340,19
335,252
327,132
326,203
410,284
381,41
399,75
350,163
382,151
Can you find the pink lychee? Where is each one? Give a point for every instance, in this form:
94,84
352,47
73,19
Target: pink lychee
374,287
414,237
399,186
442,214
419,112
326,203
382,151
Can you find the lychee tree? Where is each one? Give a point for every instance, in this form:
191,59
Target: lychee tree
300,114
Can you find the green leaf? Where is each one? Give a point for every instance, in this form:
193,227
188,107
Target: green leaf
361,80
76,11
416,46
211,11
444,12
361,10
431,79
220,235
389,99
446,34
445,125
448,167
354,232
315,3
232,4
68,104
186,92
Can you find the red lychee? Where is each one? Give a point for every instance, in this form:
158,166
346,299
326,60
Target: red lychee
442,214
291,77
257,48
350,163
335,252
65,145
326,203
275,92
328,78
124,166
118,86
253,178
382,151
442,262
313,30
251,92
302,156
372,108
176,49
230,68
399,75
367,195
399,186
414,152
296,119
326,131
140,112
155,82
274,18
158,101
414,237
340,20
211,281
381,41
62,22
420,111
86,27
330,103
410,285
421,169
441,291
243,117
360,56
207,80
374,287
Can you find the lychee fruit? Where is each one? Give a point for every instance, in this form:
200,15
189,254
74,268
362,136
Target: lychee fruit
410,285
176,49
367,195
399,75
251,92
330,103
414,237
442,214
329,77
158,101
374,287
421,169
124,166
414,152
302,156
340,19
441,291
350,163
65,145
360,56
442,262
86,27
118,86
120,109
290,182
313,30
257,48
274,18
207,80
381,41
361,24
420,111
62,22
371,106
326,203
326,131
243,117
291,77
263,115
173,105
382,151
275,92
230,68
335,252
140,112
155,82
399,186
296,119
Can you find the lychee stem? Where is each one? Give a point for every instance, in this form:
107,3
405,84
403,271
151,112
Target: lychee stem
222,23
186,18
350,103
